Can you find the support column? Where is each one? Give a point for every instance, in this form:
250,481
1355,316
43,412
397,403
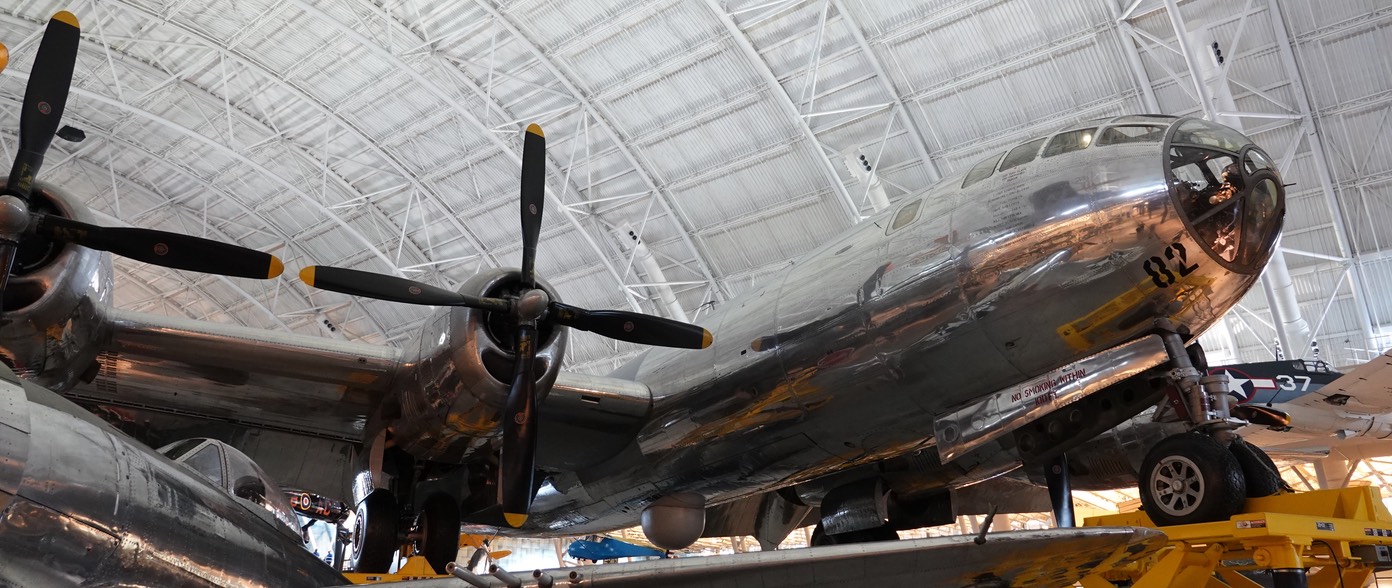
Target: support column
1060,491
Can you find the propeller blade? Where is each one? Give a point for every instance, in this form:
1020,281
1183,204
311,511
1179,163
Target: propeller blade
162,248
533,199
4,57
516,468
44,100
393,289
632,326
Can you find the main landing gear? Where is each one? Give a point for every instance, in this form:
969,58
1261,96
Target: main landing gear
1207,473
379,532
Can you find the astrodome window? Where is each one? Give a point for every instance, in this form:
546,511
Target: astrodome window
1069,142
1131,134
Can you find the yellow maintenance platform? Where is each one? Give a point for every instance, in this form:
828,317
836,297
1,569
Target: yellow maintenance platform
1319,539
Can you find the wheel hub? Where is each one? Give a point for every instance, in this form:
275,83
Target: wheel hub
1178,485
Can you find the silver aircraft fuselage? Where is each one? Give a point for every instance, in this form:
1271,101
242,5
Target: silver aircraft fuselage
976,284
83,504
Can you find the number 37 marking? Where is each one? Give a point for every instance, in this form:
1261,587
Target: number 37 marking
1159,269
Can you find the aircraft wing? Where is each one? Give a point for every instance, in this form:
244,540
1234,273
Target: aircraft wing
1053,557
279,381
223,372
314,386
1365,390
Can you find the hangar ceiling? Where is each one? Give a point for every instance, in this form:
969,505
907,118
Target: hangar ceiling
727,135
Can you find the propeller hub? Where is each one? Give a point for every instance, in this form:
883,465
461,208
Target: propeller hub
14,217
531,304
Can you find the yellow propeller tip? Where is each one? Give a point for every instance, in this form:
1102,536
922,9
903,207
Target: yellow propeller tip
66,18
4,57
535,129
277,268
307,275
706,339
515,520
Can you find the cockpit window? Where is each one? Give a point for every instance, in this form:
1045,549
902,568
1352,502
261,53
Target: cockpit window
1256,160
1228,189
1069,142
906,215
982,170
1021,155
208,461
1197,132
178,448
1261,212
1210,188
1132,134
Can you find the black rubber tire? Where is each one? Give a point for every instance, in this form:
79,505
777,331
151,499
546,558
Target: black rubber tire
1191,478
438,524
1263,477
374,534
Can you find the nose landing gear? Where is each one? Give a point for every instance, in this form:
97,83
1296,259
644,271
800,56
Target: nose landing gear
1206,474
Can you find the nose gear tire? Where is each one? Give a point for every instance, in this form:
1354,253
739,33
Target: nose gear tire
1263,477
1191,478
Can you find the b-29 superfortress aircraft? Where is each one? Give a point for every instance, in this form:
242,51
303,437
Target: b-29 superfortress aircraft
1044,276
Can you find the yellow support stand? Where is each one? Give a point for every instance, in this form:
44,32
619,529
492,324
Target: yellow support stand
1320,539
415,568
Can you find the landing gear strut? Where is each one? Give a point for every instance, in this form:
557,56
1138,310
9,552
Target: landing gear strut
1200,476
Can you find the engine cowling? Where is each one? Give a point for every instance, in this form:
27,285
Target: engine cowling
53,304
452,403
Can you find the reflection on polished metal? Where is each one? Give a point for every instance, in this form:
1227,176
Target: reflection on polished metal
1073,246
969,427
1054,557
81,503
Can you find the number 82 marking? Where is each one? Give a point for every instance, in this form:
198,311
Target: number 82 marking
1160,272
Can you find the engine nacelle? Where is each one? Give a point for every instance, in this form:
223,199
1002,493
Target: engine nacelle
52,319
457,387
675,521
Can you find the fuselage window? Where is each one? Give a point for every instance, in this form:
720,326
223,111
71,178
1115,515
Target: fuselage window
982,170
906,215
1021,155
1132,134
1069,142
208,461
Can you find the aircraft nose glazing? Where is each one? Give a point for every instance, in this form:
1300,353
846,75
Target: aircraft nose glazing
1229,191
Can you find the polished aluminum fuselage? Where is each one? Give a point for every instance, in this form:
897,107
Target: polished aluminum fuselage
849,354
82,504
